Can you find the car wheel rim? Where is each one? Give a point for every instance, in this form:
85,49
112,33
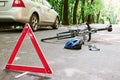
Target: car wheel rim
34,23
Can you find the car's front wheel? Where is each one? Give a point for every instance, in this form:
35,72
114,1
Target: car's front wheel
34,22
56,24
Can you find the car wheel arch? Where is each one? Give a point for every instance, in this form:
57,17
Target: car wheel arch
35,14
36,18
58,19
55,26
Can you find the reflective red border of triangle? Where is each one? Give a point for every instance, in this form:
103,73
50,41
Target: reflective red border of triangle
27,30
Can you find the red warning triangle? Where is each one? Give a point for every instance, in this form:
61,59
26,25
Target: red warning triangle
27,30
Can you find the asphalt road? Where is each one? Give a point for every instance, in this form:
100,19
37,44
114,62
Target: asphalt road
66,64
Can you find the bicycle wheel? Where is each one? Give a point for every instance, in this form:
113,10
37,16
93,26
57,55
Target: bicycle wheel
87,33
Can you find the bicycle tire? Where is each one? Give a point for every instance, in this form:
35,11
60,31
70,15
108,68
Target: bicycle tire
49,38
89,34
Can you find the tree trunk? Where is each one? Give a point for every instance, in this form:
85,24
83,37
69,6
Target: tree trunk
79,19
61,12
82,11
98,15
75,11
65,13
90,18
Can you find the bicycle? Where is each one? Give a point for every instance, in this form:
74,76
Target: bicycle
85,33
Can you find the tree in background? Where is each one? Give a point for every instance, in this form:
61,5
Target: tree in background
80,11
75,12
58,6
90,18
65,13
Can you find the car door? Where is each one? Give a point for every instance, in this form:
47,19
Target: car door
42,11
49,12
43,15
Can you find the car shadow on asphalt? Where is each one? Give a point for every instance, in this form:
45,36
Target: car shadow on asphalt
20,30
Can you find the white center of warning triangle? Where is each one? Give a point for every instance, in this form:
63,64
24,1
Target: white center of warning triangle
27,54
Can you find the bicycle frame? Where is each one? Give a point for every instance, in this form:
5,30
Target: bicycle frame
78,32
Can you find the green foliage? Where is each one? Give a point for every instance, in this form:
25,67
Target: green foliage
58,6
94,8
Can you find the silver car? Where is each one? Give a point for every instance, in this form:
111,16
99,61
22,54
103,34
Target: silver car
35,12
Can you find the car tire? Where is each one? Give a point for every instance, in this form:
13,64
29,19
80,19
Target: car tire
34,22
56,24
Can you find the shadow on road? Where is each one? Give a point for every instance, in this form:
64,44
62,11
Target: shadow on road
11,75
20,30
